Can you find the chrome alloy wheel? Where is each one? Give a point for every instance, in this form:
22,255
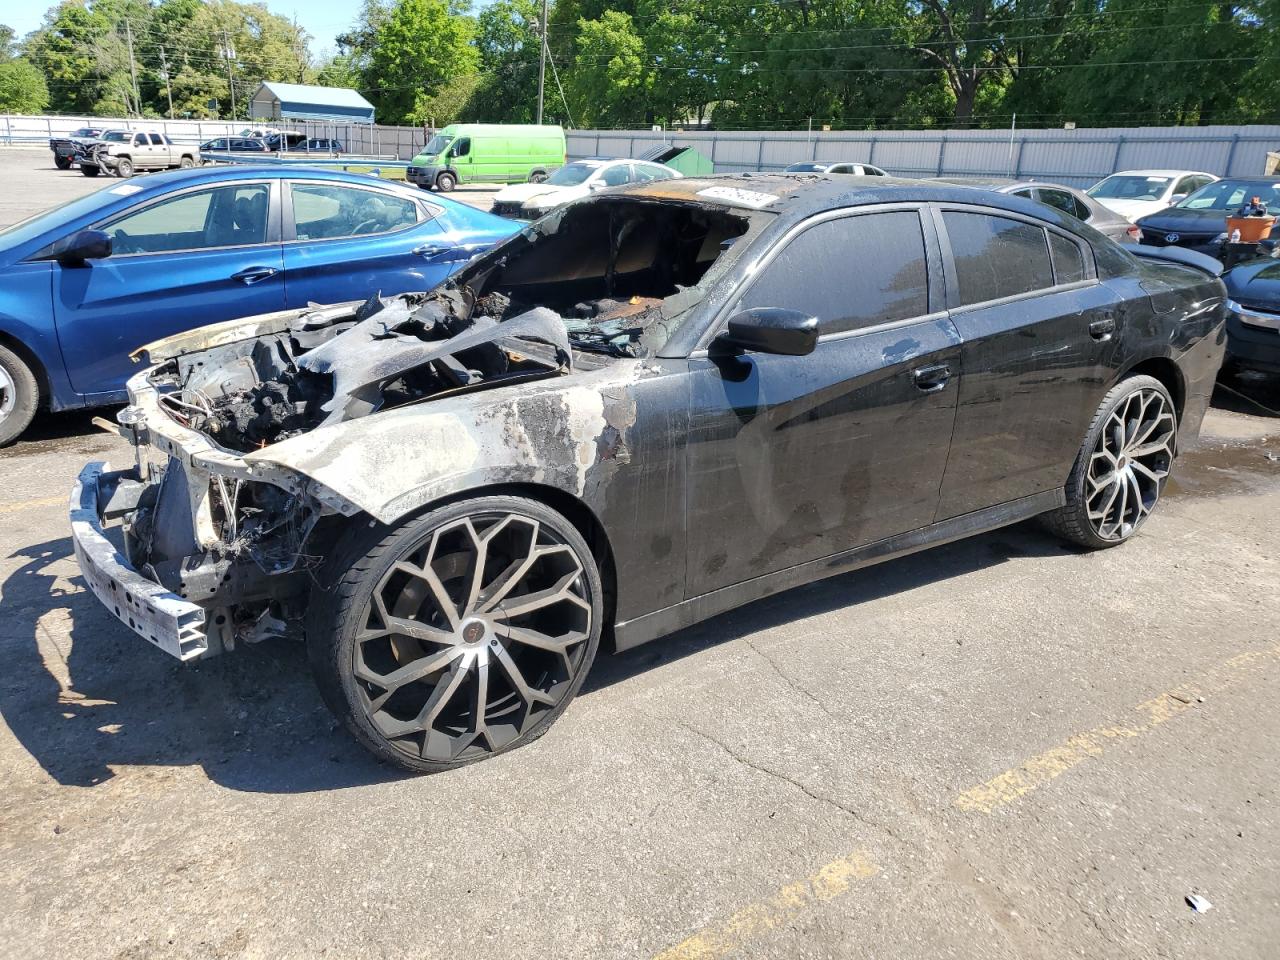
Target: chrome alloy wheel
473,637
1130,463
8,394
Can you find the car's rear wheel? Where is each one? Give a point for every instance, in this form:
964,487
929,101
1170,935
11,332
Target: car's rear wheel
19,396
1121,469
445,182
124,167
461,634
90,169
186,163
61,162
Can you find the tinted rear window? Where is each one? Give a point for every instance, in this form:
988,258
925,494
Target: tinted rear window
997,257
1068,263
850,273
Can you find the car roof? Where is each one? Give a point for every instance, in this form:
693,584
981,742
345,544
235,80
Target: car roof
1158,173
799,195
998,184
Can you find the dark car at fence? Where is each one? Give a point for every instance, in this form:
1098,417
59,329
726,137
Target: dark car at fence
66,148
648,407
1199,221
1253,341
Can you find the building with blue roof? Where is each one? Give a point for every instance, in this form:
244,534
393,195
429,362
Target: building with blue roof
298,101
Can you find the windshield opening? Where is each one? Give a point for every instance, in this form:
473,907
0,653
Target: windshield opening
437,145
1228,195
806,167
571,175
1130,188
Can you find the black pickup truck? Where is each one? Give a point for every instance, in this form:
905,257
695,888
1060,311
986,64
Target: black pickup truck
65,149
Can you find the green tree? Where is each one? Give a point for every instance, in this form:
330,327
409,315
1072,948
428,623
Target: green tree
508,46
8,43
423,48
22,87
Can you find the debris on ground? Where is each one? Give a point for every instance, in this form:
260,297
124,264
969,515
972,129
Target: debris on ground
1198,903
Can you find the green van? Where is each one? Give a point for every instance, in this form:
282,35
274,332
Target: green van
488,153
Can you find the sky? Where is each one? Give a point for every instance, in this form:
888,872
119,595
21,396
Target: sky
324,20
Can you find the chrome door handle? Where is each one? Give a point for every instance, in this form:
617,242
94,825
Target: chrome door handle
251,275
932,379
428,250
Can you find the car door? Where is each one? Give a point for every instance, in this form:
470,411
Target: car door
1038,332
197,256
348,242
157,152
792,458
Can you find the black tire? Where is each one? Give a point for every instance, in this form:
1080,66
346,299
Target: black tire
538,176
446,181
19,396
61,162
345,621
1074,521
124,168
186,163
90,169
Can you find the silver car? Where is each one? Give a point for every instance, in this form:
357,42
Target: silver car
1067,199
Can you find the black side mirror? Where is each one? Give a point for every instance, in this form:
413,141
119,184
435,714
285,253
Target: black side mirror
772,330
82,246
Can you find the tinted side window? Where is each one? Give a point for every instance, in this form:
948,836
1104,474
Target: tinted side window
222,217
617,176
1065,202
850,273
1068,263
996,257
325,212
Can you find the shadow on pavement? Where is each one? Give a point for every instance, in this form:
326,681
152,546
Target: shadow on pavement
1255,394
252,719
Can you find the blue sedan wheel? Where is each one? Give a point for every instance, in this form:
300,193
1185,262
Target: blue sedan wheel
19,396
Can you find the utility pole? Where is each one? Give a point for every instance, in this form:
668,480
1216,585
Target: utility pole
164,72
229,52
133,69
542,60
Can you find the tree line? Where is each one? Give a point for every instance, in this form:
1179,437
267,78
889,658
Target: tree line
729,64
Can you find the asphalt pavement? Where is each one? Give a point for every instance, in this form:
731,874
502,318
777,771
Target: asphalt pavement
1002,748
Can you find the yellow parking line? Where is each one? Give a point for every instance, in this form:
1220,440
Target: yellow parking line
1040,769
828,883
24,504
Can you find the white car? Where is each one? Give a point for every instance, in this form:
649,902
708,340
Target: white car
528,201
1136,193
824,166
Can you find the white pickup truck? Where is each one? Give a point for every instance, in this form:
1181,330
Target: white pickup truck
143,151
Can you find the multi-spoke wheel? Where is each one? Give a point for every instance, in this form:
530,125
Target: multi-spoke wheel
461,634
1121,469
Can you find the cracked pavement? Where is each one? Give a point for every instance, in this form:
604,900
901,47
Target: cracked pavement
785,781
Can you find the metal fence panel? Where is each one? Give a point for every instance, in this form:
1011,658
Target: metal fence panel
1076,157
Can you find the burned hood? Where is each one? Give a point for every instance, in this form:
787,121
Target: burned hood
558,432
392,338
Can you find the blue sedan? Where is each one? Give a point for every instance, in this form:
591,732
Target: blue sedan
87,283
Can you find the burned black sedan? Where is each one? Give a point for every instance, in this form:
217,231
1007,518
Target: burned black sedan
646,408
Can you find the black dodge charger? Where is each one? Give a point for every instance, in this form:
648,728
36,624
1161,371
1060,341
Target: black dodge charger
647,408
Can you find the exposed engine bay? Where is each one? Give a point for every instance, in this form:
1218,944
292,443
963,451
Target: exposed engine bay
605,277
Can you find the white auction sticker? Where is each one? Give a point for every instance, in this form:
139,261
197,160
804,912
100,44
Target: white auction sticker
125,189
745,198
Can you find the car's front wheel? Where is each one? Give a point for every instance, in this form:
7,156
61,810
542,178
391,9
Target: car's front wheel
1121,469
460,634
19,396
90,169
445,182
